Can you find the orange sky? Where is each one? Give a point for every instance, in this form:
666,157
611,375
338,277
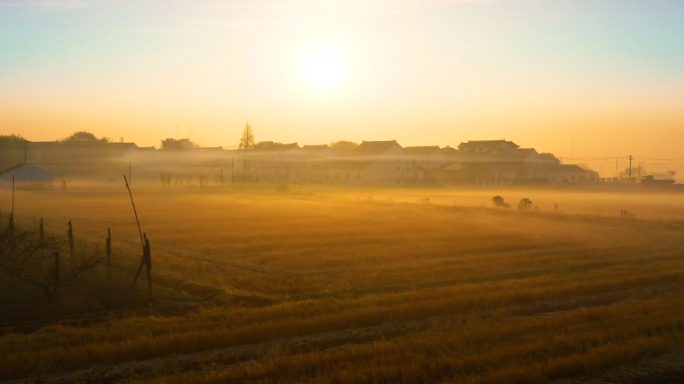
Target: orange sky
584,81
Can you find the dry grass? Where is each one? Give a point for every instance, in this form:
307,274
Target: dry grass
499,296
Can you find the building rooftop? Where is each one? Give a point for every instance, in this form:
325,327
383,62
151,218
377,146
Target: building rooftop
371,148
422,150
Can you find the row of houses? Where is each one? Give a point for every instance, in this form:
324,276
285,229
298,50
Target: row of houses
484,163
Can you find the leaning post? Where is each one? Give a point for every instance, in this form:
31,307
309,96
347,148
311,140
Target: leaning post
148,264
109,253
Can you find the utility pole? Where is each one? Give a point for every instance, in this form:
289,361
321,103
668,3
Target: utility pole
630,167
616,168
129,171
25,151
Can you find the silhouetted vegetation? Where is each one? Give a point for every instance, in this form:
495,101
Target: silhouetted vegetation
178,144
525,203
343,144
85,138
247,139
11,150
268,146
498,202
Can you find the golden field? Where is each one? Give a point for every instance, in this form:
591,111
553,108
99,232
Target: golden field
363,286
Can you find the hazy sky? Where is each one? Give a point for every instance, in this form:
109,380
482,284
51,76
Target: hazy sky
577,78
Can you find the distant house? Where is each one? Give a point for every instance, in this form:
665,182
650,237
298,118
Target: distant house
427,156
449,152
565,173
348,171
379,150
391,164
425,159
479,174
487,147
318,151
25,175
371,162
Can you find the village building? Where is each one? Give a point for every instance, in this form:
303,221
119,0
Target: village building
449,152
565,173
318,151
479,163
486,147
425,159
273,163
25,175
371,162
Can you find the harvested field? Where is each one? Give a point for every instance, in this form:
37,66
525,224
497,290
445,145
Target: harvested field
335,286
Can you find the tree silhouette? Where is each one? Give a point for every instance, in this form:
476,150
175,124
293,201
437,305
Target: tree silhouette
267,146
343,144
498,201
247,139
11,150
178,144
525,203
85,138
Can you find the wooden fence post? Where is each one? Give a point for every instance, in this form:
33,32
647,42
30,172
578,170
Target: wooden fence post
56,274
10,228
109,253
42,232
148,264
71,240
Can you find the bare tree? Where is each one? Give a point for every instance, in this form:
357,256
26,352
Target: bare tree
247,139
34,259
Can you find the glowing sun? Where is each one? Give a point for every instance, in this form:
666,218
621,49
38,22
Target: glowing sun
323,69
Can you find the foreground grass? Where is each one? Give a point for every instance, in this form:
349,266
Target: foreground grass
500,296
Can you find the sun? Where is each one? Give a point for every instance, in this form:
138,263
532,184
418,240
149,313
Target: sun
323,68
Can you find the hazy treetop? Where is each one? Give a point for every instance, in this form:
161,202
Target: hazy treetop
178,144
11,141
83,137
247,139
343,144
272,146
